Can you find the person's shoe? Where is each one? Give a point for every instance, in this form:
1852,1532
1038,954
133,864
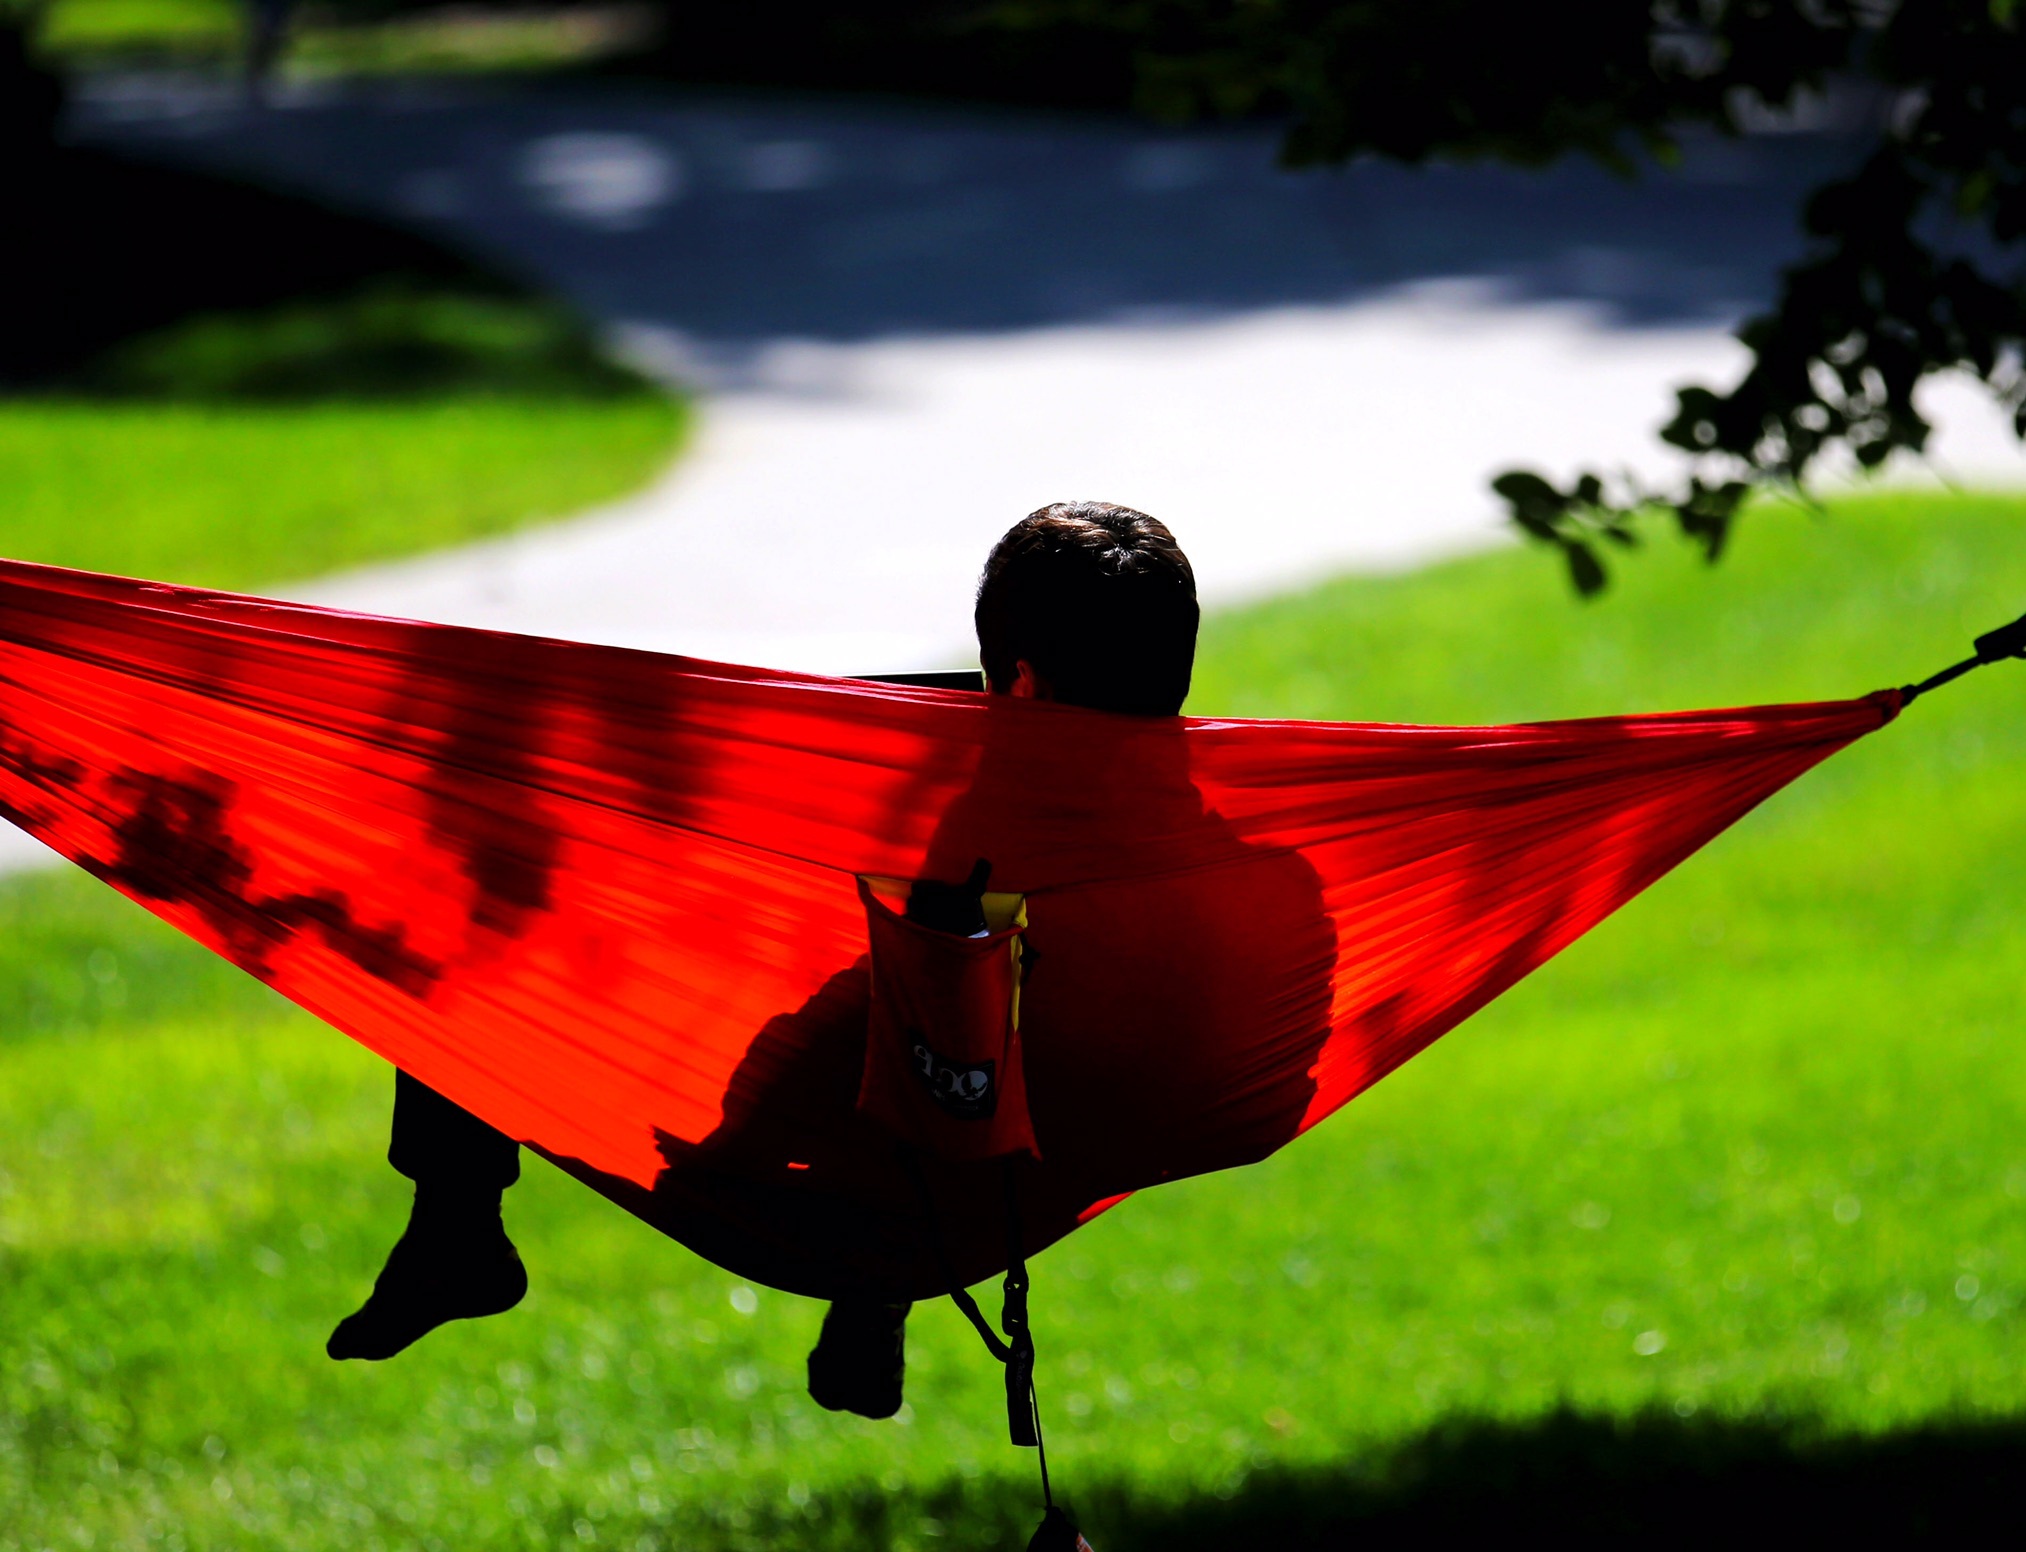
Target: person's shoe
454,1262
860,1360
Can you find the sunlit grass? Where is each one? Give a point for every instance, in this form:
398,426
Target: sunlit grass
1755,1152
443,39
203,28
236,496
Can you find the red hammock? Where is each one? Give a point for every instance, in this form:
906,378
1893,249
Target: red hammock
610,901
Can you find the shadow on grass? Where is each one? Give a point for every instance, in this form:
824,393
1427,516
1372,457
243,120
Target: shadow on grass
1656,1478
1585,1480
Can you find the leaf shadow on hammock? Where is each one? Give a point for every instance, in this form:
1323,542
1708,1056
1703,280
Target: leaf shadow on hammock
173,843
1654,1477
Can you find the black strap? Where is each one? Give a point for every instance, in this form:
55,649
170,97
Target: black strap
1023,1422
1016,1352
1991,647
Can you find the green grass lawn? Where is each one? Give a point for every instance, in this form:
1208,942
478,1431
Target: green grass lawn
324,41
87,28
1737,1186
235,496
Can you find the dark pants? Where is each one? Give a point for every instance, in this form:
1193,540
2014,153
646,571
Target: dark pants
437,1142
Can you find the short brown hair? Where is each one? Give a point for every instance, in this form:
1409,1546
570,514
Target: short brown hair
1100,600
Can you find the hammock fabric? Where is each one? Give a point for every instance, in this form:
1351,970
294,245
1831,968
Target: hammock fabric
610,901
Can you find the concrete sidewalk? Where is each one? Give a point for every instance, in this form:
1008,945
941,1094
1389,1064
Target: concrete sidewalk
835,518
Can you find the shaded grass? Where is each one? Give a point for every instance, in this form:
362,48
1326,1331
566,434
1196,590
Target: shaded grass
391,342
235,497
1728,1202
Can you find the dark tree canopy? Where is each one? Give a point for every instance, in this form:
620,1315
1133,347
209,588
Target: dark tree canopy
1913,265
1913,261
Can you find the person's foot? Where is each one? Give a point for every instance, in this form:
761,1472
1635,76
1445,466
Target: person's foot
454,1262
860,1360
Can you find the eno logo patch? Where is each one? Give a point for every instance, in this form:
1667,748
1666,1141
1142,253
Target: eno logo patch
962,1089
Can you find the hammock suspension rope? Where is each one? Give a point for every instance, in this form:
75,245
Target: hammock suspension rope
1991,647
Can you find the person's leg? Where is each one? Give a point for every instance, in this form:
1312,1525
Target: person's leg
454,1260
860,1361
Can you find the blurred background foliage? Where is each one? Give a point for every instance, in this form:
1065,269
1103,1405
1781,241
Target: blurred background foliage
1913,268
140,280
222,385
133,278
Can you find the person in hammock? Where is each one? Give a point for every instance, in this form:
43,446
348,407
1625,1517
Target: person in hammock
1083,603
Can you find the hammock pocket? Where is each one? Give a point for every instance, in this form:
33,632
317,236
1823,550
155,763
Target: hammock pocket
610,901
942,1053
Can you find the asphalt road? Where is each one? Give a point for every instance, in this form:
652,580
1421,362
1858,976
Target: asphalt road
733,221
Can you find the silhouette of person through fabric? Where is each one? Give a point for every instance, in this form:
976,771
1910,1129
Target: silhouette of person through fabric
1084,603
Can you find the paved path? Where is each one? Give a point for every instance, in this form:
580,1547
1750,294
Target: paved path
841,527
916,325
739,220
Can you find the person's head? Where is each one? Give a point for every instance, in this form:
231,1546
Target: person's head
1091,604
